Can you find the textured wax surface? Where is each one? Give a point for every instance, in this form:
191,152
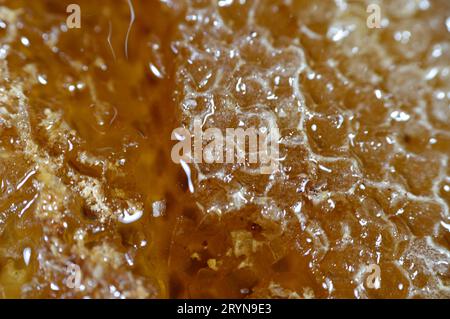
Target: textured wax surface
86,175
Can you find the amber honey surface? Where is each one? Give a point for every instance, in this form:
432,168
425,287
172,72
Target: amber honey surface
87,181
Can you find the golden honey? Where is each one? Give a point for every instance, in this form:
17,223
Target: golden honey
92,204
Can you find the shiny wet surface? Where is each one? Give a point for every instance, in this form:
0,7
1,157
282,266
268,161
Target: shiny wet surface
86,175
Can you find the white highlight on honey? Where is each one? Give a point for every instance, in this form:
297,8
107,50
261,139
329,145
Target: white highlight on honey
230,148
27,255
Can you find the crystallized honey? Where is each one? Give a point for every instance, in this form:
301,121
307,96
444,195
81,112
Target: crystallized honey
92,204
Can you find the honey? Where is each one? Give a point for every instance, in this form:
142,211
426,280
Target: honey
92,205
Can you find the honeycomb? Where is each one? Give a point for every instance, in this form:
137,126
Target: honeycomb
92,205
